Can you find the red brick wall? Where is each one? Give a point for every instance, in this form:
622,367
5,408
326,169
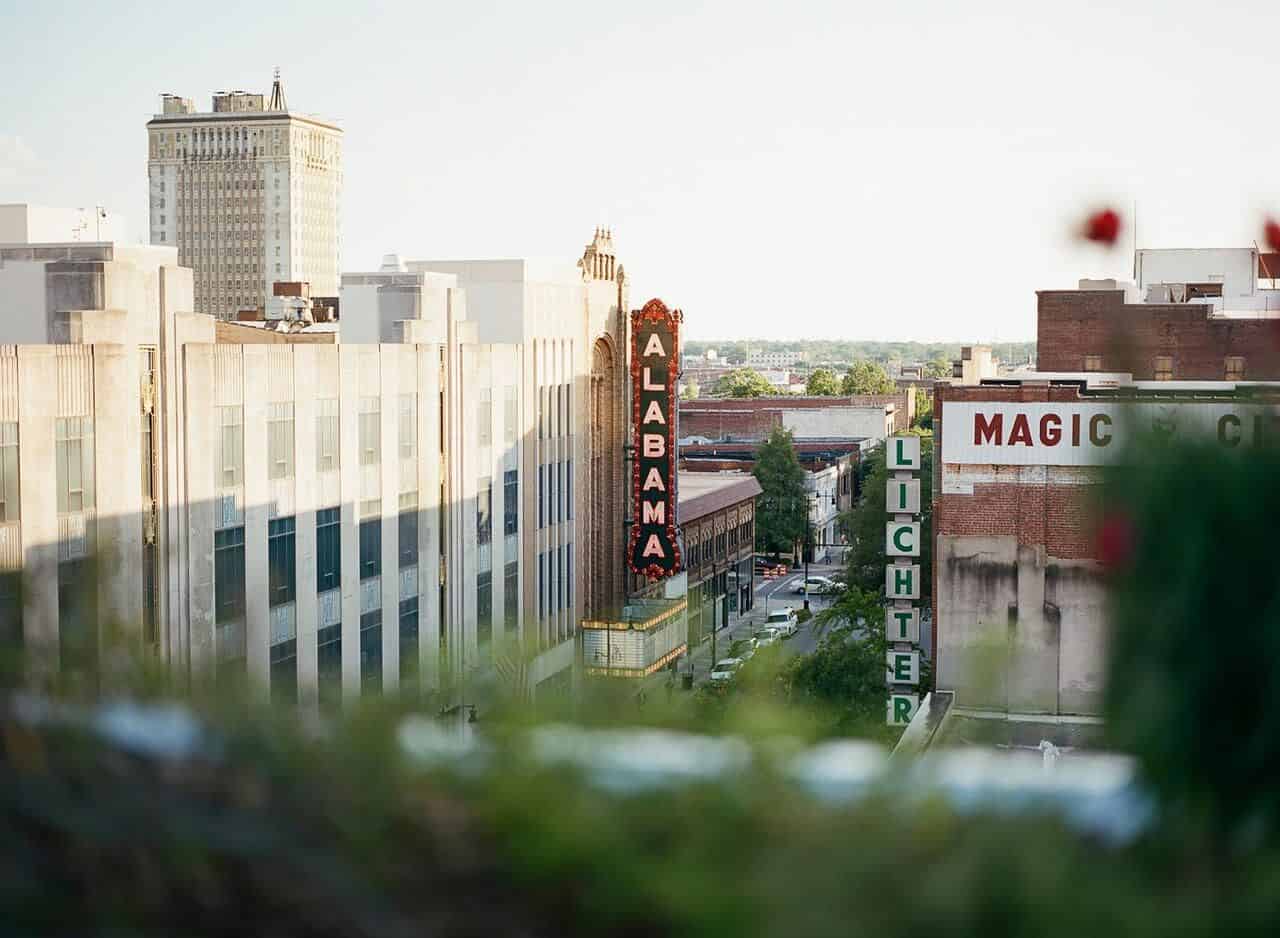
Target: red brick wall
753,418
1054,516
1076,323
724,423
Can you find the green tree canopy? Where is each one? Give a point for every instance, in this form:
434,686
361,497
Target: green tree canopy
782,514
924,408
743,382
822,383
940,367
864,524
690,391
867,377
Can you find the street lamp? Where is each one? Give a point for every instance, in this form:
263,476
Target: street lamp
808,536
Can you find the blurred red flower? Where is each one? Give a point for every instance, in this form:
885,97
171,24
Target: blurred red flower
1103,227
1115,541
1272,231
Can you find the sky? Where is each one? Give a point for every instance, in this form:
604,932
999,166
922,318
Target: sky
785,170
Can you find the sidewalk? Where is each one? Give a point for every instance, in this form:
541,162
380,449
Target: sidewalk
700,657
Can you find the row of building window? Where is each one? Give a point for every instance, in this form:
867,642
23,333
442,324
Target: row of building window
555,493
1162,367
707,548
555,580
281,434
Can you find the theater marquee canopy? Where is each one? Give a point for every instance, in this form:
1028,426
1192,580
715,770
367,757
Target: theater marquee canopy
1090,433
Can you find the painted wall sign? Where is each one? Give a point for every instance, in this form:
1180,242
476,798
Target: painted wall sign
1090,434
655,355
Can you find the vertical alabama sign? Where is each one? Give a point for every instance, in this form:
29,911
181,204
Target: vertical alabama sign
902,578
655,357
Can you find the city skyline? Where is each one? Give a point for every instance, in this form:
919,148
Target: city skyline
748,164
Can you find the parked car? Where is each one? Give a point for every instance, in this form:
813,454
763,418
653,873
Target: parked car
767,636
784,620
817,586
726,670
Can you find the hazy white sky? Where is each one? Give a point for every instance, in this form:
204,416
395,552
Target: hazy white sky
884,171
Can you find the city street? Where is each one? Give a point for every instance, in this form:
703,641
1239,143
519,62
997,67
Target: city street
770,596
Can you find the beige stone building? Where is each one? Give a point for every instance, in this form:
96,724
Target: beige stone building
249,193
326,520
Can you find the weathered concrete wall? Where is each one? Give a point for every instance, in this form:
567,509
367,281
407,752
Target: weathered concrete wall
1018,630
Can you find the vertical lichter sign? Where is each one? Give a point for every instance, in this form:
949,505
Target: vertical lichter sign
902,578
655,355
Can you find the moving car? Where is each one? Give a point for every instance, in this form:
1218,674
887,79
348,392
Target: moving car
726,669
767,636
817,586
784,620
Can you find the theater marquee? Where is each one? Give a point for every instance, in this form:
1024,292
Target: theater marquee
655,356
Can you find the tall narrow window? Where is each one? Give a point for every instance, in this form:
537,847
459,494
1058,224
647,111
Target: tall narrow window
370,548
370,431
230,455
408,427
74,455
408,537
511,595
329,664
371,652
281,591
510,414
1234,368
328,550
484,418
280,440
484,565
1163,368
9,504
568,486
409,665
510,502
229,601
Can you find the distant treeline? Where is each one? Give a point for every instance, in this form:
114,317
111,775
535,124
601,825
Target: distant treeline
825,351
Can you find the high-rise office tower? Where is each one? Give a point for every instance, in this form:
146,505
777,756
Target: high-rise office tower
249,193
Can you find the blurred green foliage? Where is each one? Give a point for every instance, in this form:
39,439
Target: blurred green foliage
276,825
1195,650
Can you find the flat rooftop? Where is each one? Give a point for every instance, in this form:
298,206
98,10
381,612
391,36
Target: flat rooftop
701,493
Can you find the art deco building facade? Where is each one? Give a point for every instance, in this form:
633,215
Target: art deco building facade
326,520
249,193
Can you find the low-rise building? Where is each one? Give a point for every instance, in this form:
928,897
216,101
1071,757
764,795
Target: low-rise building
717,520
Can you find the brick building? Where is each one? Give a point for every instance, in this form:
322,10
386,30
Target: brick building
1019,602
1204,315
717,519
865,415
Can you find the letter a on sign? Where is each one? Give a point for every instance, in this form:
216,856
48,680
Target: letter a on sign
654,414
654,347
902,453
